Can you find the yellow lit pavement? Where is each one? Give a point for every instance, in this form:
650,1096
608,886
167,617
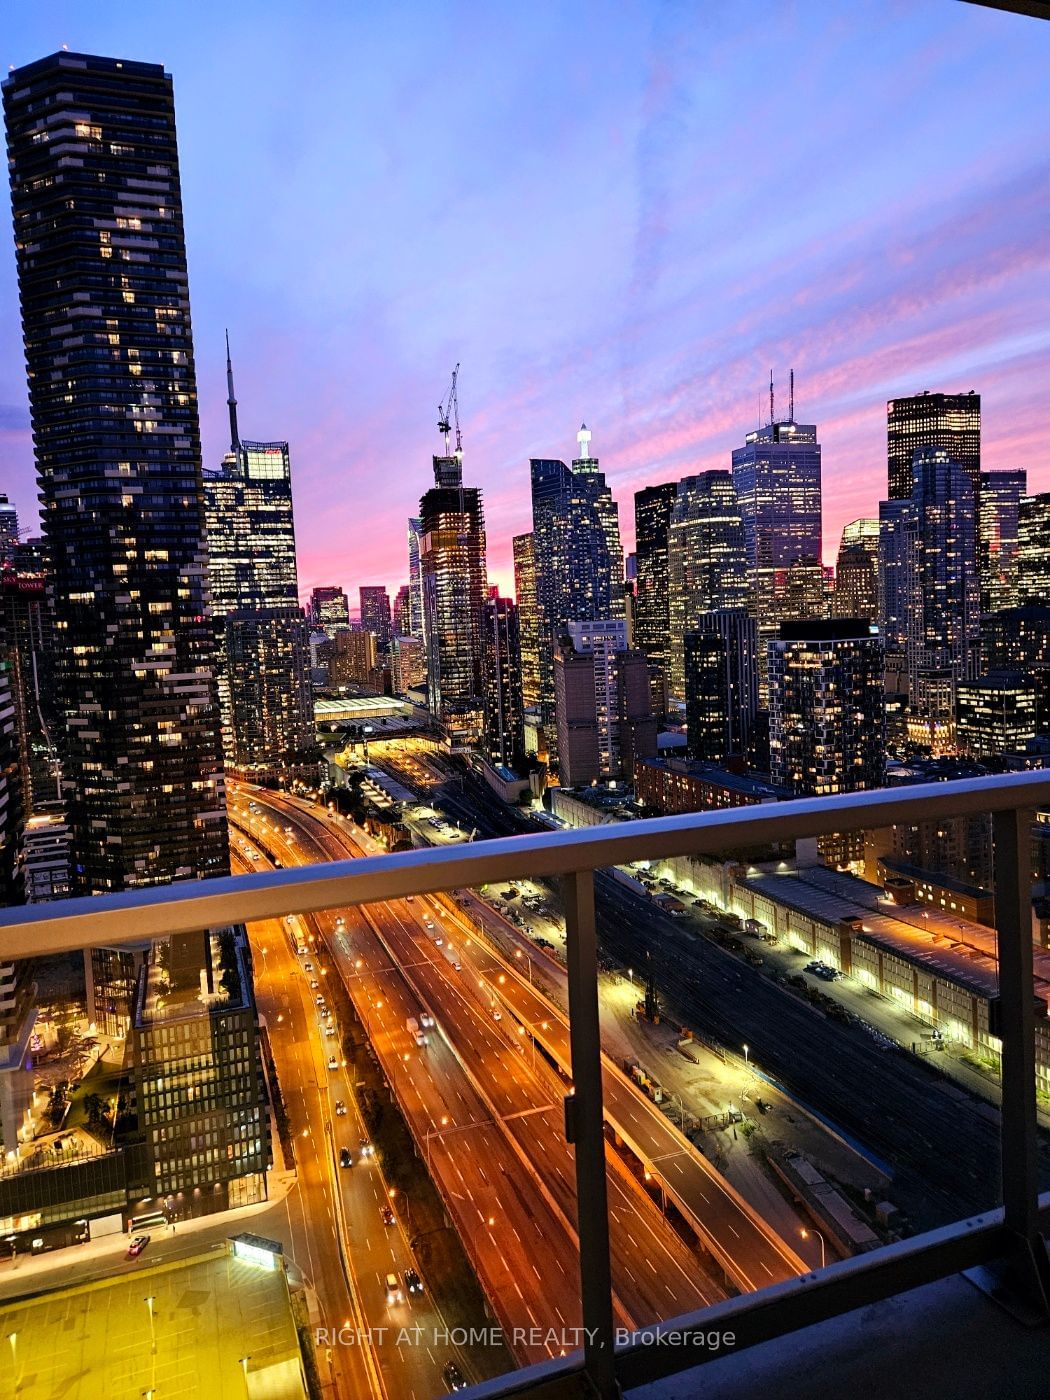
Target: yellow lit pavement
210,1326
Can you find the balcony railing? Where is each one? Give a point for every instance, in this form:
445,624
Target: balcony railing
1008,1240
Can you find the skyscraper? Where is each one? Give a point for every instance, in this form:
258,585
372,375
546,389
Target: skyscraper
376,617
778,483
261,633
950,422
100,245
415,578
707,562
857,571
998,516
652,523
898,585
329,608
504,709
578,556
827,713
102,274
721,684
947,597
1033,550
528,618
454,586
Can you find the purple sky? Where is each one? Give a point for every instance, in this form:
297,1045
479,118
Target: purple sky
624,213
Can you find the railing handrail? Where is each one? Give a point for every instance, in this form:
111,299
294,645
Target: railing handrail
136,915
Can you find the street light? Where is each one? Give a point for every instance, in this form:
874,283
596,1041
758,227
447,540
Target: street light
806,1234
746,1049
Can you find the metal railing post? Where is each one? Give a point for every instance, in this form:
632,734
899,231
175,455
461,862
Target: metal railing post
1016,1027
584,1121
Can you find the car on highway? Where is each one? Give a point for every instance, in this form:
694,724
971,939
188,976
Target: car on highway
137,1245
427,922
319,1000
333,1063
330,1032
413,1283
340,1108
314,984
497,1014
410,899
453,1377
426,1020
388,1216
345,1160
367,1149
393,1290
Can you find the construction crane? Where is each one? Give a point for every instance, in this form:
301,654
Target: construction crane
448,414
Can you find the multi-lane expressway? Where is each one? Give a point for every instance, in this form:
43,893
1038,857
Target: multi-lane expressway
655,1273
331,1211
748,1250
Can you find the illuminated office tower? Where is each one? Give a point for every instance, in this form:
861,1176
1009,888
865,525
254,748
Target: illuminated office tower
707,561
998,519
721,684
947,598
261,631
504,708
778,483
898,579
528,617
415,578
997,714
827,710
949,422
579,558
198,1080
856,592
1033,550
652,522
376,617
401,612
329,608
454,587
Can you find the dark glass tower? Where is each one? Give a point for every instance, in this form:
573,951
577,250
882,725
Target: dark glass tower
652,521
951,422
106,322
579,559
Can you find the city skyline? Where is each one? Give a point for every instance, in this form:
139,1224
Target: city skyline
910,268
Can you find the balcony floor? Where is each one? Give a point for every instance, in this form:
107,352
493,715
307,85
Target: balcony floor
946,1341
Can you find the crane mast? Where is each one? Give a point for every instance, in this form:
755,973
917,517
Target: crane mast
448,415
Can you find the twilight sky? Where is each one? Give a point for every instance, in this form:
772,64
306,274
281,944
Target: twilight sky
618,212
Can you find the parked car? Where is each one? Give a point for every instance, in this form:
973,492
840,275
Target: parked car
137,1245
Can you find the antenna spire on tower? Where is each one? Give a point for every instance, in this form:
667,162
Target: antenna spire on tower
231,399
791,401
772,415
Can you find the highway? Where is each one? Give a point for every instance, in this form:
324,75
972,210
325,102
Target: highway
750,1252
328,1201
942,1143
466,1150
655,1273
